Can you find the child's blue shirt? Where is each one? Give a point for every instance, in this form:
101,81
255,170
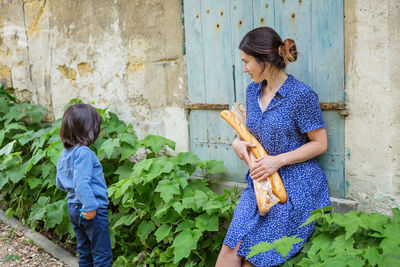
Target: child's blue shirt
80,174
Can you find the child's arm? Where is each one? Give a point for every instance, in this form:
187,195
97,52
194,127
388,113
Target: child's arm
82,174
58,182
59,185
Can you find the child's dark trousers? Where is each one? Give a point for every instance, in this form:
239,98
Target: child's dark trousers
93,236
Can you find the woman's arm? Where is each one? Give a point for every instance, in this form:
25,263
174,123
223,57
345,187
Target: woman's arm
268,165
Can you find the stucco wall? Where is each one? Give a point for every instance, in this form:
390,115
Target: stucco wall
372,54
122,54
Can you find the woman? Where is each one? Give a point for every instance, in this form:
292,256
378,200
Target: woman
285,117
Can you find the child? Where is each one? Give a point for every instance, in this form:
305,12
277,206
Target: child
80,174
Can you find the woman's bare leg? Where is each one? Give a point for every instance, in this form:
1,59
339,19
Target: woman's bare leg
247,264
228,257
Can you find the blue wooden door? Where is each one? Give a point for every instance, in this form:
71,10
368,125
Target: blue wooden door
213,30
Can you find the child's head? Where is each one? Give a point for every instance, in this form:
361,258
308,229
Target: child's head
80,125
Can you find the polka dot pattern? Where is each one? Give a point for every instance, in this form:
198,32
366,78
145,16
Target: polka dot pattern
281,128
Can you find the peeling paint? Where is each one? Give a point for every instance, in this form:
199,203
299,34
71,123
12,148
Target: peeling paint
5,72
68,73
34,12
84,69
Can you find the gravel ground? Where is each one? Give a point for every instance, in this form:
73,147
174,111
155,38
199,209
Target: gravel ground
17,250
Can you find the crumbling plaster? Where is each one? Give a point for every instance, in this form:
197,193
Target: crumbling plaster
121,54
372,53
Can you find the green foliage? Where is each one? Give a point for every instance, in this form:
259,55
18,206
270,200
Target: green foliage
350,239
158,215
11,257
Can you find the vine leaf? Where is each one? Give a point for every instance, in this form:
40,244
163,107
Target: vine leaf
167,189
207,223
144,229
283,246
156,142
109,146
162,232
184,243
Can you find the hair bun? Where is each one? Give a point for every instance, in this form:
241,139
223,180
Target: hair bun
288,51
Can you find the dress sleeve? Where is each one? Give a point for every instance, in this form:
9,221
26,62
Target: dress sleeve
308,112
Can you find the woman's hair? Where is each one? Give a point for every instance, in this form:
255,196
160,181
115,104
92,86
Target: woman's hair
80,125
265,45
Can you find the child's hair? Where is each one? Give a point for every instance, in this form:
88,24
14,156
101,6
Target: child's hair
80,125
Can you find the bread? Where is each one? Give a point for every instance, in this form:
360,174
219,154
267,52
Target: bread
269,191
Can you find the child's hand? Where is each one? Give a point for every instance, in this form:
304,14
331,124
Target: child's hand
88,215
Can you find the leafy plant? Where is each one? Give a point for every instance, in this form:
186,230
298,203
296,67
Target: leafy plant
159,215
350,239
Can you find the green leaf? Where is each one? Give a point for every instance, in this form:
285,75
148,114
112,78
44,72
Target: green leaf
3,105
282,245
15,174
167,189
127,151
184,243
11,257
343,244
344,260
185,225
159,166
177,206
54,213
207,223
54,152
181,178
109,146
184,158
3,180
214,166
122,186
125,220
34,182
260,248
314,216
373,256
144,229
1,137
130,139
163,232
7,148
350,221
38,210
124,171
141,166
15,126
156,143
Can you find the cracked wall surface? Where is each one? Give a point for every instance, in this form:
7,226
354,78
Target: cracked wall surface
372,53
122,54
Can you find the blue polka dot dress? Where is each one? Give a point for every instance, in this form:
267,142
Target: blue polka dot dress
282,127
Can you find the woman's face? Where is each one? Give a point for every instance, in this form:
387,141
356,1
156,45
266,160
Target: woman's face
252,67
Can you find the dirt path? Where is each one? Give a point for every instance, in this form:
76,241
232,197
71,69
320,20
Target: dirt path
17,250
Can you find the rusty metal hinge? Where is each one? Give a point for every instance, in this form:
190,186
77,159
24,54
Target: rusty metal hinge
339,106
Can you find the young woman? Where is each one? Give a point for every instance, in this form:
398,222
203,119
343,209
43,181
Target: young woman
285,117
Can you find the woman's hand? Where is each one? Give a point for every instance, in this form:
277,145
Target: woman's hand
264,167
241,149
89,214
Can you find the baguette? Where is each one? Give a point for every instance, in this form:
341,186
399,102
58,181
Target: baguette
270,191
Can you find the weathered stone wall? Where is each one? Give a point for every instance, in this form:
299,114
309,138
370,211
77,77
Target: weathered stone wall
121,54
372,54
